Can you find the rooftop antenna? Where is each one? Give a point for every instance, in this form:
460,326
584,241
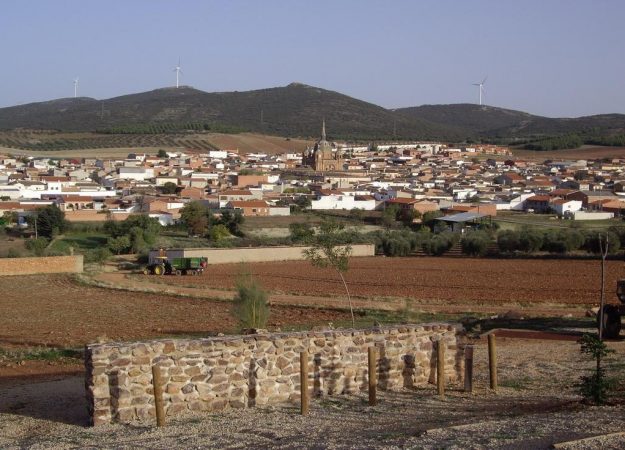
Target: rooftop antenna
178,71
75,87
480,86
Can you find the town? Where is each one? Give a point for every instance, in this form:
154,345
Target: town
419,177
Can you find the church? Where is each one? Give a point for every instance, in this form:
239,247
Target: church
321,158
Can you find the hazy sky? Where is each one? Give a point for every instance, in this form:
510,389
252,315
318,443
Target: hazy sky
549,57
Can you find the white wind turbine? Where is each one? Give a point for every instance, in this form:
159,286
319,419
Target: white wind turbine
75,87
178,71
480,86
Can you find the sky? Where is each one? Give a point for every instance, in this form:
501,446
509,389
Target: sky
558,58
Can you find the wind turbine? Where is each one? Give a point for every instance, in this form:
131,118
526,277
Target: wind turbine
481,87
178,71
75,87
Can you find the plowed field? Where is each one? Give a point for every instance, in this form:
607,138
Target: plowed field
56,311
446,279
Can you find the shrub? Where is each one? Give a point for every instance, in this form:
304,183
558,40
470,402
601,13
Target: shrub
530,240
508,241
218,232
301,232
119,244
595,387
440,243
591,242
250,303
475,243
37,246
14,253
98,255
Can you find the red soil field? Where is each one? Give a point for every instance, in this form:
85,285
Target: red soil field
459,280
56,311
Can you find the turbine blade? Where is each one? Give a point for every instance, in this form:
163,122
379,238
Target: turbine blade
484,80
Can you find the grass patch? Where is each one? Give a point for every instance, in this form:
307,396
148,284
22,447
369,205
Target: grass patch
80,241
41,354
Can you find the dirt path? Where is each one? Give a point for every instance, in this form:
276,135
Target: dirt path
125,280
535,407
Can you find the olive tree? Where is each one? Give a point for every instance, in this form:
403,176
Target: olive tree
328,251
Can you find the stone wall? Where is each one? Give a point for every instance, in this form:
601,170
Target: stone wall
47,264
253,254
243,371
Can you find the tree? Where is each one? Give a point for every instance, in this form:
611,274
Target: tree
508,241
37,246
161,153
195,215
327,251
250,302
389,215
218,232
301,232
169,188
50,220
119,244
595,386
530,240
233,221
475,243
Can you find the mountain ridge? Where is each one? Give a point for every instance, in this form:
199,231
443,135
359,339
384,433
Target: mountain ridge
296,110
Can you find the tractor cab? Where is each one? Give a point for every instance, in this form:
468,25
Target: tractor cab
612,313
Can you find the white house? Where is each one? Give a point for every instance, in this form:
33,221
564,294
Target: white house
562,206
343,201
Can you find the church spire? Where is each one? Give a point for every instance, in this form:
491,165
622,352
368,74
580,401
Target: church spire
323,130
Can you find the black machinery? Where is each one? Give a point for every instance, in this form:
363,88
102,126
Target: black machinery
612,314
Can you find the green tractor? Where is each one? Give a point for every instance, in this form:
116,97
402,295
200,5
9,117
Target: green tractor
162,265
611,316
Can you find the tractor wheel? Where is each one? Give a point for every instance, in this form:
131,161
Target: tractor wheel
178,273
611,321
146,271
159,270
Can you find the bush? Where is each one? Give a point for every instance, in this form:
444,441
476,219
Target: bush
14,253
591,242
250,303
99,255
530,241
508,241
218,232
119,244
595,387
475,243
439,243
396,243
301,232
37,246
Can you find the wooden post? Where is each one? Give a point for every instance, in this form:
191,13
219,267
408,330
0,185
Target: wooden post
468,368
440,367
303,376
158,396
372,377
492,361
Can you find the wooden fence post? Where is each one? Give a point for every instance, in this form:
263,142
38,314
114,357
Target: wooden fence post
468,368
372,377
158,396
492,361
440,367
303,376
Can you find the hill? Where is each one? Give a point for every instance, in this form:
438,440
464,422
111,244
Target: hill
293,110
492,122
297,110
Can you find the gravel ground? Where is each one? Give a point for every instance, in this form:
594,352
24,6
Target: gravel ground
535,407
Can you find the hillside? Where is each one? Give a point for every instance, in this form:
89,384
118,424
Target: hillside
293,110
492,122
